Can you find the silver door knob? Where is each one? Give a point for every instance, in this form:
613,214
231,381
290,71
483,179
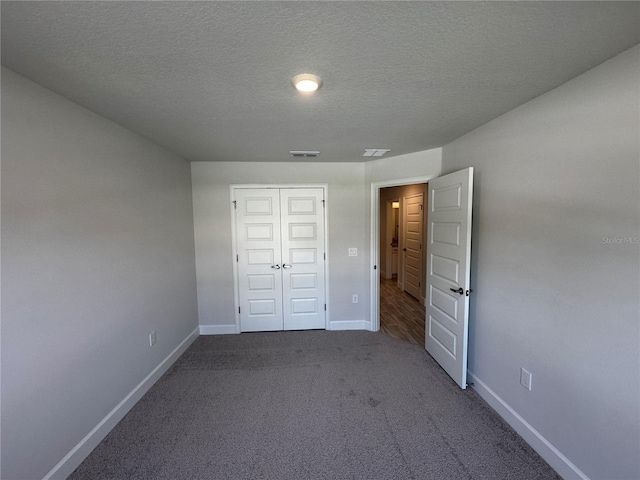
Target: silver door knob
277,267
284,265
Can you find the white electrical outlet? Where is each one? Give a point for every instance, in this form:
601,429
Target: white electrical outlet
525,378
353,252
152,338
354,299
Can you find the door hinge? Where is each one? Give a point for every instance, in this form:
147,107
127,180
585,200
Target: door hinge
375,267
238,309
325,256
323,204
235,204
325,307
237,259
421,207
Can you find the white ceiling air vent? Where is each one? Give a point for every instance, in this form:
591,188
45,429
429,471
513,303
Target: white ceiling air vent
304,153
375,152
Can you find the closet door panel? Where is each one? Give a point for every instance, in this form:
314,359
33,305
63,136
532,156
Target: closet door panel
303,253
259,259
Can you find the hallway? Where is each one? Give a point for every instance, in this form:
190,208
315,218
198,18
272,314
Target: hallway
401,315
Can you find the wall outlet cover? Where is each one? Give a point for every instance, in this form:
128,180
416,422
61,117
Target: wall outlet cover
525,378
353,252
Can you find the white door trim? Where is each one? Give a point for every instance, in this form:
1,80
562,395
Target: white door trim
375,241
234,246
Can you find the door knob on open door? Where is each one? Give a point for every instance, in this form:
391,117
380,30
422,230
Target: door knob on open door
277,267
458,290
284,265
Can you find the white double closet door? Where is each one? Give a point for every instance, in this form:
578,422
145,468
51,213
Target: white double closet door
280,235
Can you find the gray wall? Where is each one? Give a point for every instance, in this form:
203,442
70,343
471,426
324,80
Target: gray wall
555,178
427,163
346,226
97,251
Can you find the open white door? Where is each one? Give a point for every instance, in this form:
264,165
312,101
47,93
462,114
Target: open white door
448,271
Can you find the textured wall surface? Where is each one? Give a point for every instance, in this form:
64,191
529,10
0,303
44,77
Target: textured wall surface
556,284
347,198
348,207
97,251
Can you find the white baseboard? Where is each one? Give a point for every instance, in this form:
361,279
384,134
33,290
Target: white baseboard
219,329
71,460
333,325
545,449
349,325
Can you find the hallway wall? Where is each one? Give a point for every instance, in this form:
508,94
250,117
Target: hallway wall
555,272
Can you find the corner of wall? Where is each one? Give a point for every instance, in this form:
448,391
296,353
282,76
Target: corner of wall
76,456
553,456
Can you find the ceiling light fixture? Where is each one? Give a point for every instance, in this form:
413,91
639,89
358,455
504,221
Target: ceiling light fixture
306,82
375,152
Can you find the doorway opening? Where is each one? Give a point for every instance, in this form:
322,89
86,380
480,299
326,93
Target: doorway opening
447,279
402,258
398,247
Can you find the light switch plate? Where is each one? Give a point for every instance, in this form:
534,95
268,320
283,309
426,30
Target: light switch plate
525,378
353,252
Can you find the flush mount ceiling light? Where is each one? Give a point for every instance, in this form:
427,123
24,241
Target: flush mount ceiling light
306,82
375,152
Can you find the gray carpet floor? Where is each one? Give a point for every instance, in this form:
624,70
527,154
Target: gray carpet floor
310,405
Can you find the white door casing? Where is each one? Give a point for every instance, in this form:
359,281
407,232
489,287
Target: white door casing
280,258
448,271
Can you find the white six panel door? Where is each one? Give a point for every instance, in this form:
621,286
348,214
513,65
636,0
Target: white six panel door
413,271
259,259
302,214
280,245
448,272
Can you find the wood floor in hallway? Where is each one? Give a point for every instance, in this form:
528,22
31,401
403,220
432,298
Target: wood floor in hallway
401,315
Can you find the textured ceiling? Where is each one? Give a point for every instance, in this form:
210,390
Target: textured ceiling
211,80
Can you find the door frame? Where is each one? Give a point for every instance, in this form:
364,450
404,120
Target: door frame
375,241
234,244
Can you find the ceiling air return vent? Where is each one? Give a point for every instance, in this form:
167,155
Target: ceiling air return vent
304,153
375,152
